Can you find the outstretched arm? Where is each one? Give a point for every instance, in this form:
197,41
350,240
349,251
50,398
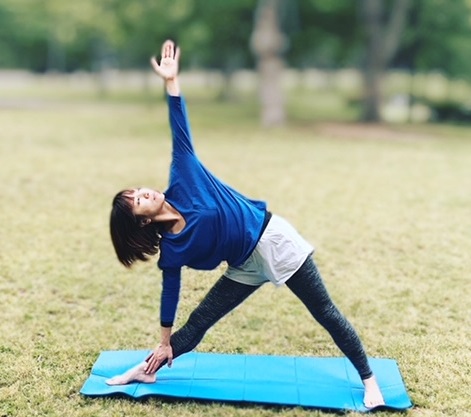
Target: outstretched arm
167,69
168,306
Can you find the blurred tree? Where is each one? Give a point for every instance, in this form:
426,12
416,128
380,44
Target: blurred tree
377,34
268,44
217,36
438,41
23,35
53,34
323,34
145,24
140,28
383,34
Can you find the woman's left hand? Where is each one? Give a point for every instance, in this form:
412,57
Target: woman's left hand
168,66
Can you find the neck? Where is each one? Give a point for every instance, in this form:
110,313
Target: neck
171,217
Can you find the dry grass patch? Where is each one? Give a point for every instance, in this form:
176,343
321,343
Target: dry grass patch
390,220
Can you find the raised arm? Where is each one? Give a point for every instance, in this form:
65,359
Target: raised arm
167,69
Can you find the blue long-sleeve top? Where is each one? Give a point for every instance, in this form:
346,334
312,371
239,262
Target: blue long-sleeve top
221,224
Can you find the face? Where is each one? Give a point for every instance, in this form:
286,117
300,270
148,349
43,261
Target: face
146,202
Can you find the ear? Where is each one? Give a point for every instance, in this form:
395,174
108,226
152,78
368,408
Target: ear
144,222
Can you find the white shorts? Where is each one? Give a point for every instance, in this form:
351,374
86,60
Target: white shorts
279,253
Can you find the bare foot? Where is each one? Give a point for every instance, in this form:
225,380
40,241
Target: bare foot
135,374
373,397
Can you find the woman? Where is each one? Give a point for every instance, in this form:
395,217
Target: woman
200,222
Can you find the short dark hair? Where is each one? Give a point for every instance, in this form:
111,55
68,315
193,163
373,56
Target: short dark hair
131,239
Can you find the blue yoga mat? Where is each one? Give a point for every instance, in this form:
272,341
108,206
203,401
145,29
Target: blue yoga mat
325,383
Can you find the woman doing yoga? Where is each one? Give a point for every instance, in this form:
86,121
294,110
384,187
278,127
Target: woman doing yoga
200,222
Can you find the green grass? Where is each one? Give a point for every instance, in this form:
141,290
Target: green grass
388,210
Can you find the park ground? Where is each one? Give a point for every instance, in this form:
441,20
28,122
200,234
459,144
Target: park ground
386,206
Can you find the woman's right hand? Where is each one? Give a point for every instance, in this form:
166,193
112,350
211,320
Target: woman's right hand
159,355
168,67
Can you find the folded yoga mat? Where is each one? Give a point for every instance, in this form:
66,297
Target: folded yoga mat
328,383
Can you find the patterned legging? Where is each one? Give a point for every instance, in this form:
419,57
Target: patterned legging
306,284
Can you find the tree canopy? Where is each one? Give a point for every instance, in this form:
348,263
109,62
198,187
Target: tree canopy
69,36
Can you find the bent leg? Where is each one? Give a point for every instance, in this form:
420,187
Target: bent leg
308,286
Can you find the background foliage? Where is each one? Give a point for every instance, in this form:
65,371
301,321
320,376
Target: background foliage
68,36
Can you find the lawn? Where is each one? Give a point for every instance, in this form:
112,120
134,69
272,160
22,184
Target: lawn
387,208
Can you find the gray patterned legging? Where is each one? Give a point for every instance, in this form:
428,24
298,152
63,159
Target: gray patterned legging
306,284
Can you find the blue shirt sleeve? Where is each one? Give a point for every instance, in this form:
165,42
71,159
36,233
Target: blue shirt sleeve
169,297
181,133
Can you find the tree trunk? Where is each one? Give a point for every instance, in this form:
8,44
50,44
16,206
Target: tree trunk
373,11
101,66
381,45
268,44
55,55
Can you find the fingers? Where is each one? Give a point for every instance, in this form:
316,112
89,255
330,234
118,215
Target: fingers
165,47
149,356
152,365
148,362
155,358
168,49
168,53
152,361
155,65
177,54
